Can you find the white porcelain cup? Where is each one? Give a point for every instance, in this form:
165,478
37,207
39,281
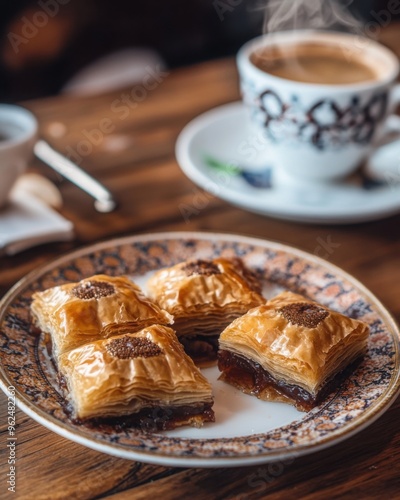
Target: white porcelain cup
18,131
318,132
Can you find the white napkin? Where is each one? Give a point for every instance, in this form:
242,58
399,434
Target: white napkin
27,221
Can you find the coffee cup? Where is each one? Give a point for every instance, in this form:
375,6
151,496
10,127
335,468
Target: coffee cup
18,131
318,100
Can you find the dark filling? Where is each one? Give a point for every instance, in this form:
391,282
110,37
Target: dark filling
148,419
252,378
155,418
201,348
152,419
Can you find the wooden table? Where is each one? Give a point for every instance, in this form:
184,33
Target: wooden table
135,160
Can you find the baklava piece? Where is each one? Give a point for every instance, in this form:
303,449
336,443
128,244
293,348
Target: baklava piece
290,349
96,307
145,377
205,296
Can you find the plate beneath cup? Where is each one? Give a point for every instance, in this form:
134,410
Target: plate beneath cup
210,152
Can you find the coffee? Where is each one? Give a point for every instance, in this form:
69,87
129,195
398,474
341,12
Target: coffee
313,63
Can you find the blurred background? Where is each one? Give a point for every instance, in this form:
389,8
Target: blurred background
46,44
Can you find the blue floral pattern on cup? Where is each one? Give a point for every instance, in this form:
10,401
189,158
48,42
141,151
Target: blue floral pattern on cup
324,124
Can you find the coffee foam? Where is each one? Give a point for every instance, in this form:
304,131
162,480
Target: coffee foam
313,63
270,48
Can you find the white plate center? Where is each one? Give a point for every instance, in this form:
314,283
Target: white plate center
238,414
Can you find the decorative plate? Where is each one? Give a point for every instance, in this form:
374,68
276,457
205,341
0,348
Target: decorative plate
219,152
246,430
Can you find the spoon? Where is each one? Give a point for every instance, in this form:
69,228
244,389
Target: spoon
104,201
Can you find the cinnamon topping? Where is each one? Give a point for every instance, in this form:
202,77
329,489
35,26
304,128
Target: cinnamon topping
133,347
304,314
88,290
204,267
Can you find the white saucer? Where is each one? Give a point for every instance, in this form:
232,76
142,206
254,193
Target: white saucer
217,134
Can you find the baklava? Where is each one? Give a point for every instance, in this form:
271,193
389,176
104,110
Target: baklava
204,296
145,377
291,349
97,307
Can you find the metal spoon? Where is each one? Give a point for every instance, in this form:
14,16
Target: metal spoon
104,201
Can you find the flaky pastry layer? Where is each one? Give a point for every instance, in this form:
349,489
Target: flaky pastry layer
204,296
96,307
126,374
296,340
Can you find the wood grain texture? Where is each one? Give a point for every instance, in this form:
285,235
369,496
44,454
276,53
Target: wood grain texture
136,161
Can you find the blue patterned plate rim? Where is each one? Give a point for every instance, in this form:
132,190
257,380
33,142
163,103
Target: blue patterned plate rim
309,434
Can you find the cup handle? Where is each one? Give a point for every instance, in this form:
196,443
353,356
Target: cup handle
384,162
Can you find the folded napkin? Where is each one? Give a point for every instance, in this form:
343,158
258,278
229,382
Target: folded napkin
27,221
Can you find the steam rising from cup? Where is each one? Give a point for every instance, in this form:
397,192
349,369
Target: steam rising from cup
284,15
318,15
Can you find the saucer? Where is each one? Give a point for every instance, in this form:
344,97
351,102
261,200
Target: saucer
209,150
